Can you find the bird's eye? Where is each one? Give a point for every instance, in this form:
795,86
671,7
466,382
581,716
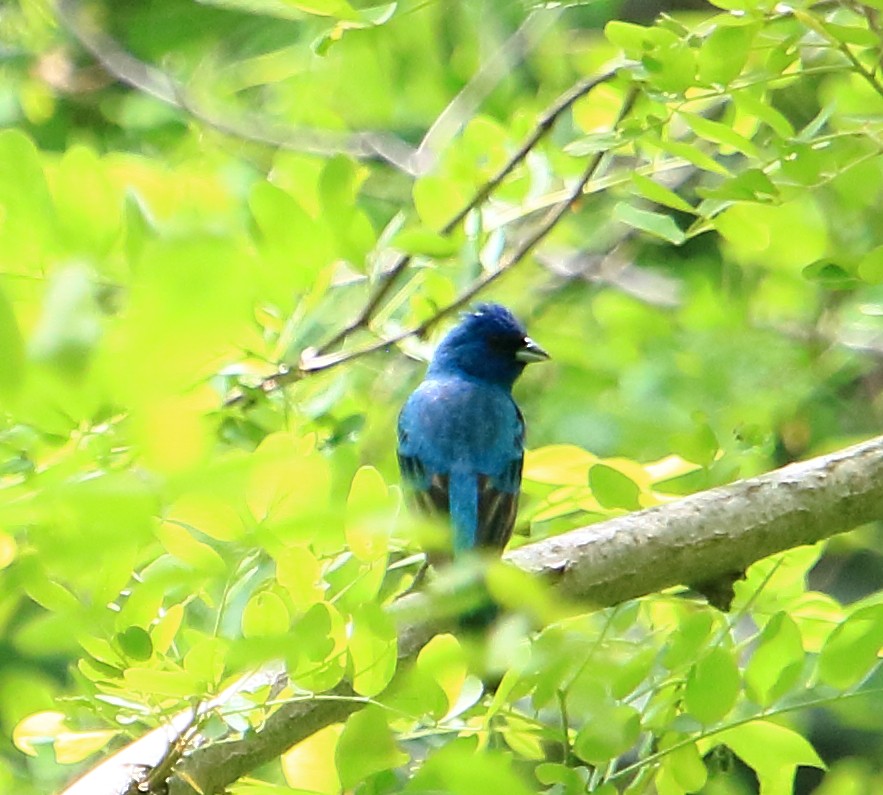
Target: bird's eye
505,343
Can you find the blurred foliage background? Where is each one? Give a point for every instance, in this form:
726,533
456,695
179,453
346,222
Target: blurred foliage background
194,193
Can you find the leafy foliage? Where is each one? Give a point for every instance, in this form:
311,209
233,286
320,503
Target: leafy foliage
711,301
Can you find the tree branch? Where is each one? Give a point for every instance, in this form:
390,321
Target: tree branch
543,127
700,537
314,361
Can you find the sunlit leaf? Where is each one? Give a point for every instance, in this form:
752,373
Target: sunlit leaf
559,464
724,52
608,732
366,747
426,242
713,686
720,133
369,514
443,660
372,649
264,614
458,769
656,192
852,648
613,488
772,751
175,684
656,224
309,765
135,643
48,728
776,662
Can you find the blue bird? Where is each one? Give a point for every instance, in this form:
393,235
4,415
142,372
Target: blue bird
460,433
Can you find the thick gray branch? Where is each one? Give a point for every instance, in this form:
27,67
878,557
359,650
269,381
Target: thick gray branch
698,538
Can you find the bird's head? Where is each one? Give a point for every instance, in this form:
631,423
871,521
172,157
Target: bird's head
489,343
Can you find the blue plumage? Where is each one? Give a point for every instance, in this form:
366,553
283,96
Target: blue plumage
460,434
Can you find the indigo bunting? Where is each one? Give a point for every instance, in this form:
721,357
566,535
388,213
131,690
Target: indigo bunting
460,433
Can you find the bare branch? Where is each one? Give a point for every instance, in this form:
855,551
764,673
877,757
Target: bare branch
698,538
317,360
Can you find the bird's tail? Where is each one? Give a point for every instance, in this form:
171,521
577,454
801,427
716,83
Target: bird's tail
463,505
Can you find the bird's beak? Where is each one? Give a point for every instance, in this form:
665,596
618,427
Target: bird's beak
531,352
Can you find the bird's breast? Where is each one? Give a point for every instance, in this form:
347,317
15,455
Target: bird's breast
462,423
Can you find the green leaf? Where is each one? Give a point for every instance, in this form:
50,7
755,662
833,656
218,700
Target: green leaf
372,649
309,765
265,615
802,163
279,461
135,643
295,247
633,672
853,648
748,185
325,8
663,226
860,35
558,464
423,241
438,199
458,769
774,752
28,228
713,686
299,572
652,190
684,764
720,133
163,632
443,660
207,658
830,275
671,69
149,681
759,108
318,642
369,511
689,637
777,661
12,362
607,733
633,39
613,489
572,783
366,747
693,154
89,209
870,267
724,53
183,546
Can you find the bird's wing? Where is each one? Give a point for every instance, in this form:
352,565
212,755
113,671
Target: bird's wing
498,496
430,490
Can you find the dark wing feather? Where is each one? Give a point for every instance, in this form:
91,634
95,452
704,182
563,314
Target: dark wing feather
430,494
496,512
498,497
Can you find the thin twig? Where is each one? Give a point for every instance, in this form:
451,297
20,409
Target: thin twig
316,364
542,129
